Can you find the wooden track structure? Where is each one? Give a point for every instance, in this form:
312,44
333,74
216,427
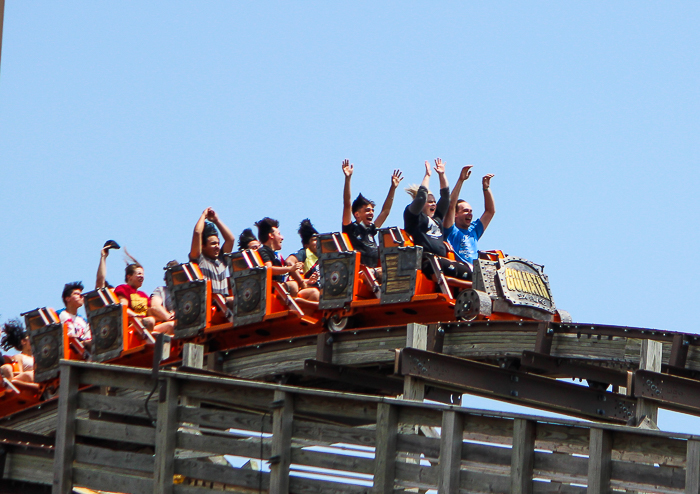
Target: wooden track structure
106,441
330,399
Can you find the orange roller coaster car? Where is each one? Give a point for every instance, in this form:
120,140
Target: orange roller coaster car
258,308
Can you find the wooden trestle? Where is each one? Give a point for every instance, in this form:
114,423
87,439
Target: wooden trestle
98,435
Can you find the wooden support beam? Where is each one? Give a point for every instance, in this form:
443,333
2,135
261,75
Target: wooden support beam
65,431
193,355
324,347
679,350
436,338
282,417
166,432
385,448
692,467
650,359
545,336
451,440
215,362
416,337
522,457
599,461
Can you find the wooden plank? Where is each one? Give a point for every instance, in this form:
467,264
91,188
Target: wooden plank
338,407
193,355
333,461
117,432
225,419
385,454
65,430
300,485
523,455
28,468
560,467
96,478
324,347
166,428
420,416
599,461
230,394
210,472
415,475
282,418
647,477
630,446
126,460
556,488
222,445
122,378
692,469
450,452
478,482
562,438
116,405
417,445
327,434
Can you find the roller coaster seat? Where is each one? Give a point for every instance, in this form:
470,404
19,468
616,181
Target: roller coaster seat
49,342
114,332
195,307
256,296
344,280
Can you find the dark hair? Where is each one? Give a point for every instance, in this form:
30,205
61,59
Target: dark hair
68,289
460,201
245,238
306,231
265,227
360,202
209,231
14,334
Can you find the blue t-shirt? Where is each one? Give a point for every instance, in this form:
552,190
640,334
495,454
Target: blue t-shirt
464,241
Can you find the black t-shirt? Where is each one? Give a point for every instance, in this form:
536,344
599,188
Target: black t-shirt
269,255
418,225
362,240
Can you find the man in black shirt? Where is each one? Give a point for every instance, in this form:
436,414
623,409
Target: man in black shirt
362,231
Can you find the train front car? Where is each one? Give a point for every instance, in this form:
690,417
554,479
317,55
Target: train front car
506,288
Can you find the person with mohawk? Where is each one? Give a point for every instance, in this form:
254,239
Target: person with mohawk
21,365
362,231
207,252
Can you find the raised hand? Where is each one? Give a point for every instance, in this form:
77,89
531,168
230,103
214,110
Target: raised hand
347,168
465,173
396,178
428,171
486,181
212,216
439,166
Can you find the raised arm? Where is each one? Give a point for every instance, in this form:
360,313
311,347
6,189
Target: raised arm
389,201
454,197
347,201
440,169
229,238
489,205
422,195
196,249
102,268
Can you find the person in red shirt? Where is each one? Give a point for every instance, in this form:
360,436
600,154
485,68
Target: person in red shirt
137,302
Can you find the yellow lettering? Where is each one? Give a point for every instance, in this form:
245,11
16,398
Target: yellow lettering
519,282
509,279
543,288
533,284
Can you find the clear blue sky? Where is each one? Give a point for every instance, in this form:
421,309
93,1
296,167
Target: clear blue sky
124,120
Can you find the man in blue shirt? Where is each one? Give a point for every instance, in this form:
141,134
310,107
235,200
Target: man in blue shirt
460,231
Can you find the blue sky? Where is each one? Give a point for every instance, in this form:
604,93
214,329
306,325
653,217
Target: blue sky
124,120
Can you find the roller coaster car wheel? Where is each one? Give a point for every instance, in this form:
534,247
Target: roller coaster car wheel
336,279
191,308
48,352
468,305
336,323
107,329
249,295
